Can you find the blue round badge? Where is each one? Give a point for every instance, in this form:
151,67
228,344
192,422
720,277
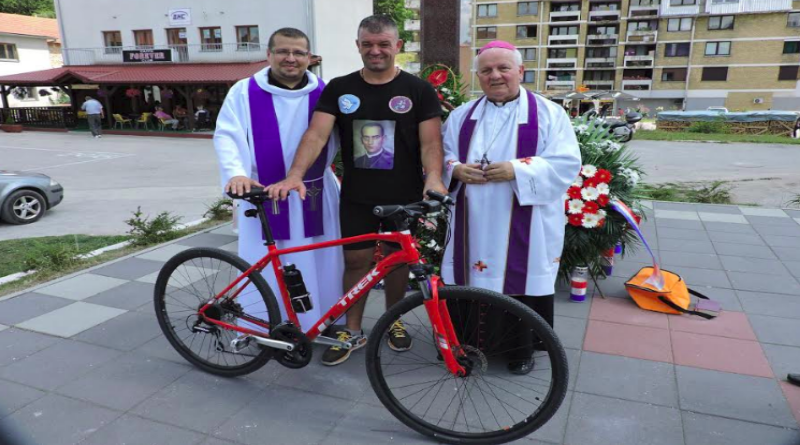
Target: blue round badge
348,103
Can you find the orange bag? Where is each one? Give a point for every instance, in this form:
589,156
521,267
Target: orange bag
672,299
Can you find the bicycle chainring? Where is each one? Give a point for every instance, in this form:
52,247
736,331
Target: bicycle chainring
301,356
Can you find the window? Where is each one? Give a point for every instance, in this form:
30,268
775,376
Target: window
487,32
247,38
528,53
719,49
487,10
112,40
720,22
715,73
788,72
673,74
211,39
527,8
8,51
529,77
606,52
526,32
143,38
563,30
639,26
605,30
794,20
791,47
683,24
682,2
562,53
677,49
598,75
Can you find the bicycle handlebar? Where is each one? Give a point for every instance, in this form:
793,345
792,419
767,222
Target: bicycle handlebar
255,192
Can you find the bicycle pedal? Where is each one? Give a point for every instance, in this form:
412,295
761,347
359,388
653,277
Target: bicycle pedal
240,343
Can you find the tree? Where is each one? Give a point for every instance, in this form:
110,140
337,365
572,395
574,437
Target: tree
397,10
39,8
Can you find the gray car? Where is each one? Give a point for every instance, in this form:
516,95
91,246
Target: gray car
25,197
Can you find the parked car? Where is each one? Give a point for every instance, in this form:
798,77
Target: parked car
25,197
717,109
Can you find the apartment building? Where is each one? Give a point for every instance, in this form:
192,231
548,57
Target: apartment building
692,54
28,44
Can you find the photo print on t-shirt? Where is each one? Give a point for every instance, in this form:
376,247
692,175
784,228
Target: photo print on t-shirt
373,144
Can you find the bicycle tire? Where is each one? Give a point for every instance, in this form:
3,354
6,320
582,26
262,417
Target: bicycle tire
504,433
202,261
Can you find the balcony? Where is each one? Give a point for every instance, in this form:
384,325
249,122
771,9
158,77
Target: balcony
637,85
638,61
668,10
565,16
642,36
643,11
602,39
413,4
412,47
604,15
413,25
598,85
560,85
202,53
601,62
564,63
744,6
570,39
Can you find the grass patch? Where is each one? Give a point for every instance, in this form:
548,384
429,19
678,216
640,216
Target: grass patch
660,135
16,254
716,192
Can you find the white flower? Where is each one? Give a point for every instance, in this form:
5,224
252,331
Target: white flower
602,214
602,189
444,90
589,194
612,147
578,182
588,170
633,178
451,98
575,206
432,244
591,220
581,128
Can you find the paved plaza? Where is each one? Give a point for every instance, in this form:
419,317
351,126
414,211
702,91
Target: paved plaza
82,359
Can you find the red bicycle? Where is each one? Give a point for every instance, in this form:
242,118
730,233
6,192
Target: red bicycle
453,385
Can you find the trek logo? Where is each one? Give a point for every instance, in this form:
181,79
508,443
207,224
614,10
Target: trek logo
359,287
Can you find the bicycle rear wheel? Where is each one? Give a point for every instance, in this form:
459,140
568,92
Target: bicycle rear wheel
186,283
490,405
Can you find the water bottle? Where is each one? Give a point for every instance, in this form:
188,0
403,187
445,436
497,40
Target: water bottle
299,296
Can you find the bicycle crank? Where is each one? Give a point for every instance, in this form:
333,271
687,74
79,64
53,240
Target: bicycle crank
300,355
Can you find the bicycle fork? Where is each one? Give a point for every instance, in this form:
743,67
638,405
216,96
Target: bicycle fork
443,332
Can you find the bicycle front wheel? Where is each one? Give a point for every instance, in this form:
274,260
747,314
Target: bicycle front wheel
191,279
491,404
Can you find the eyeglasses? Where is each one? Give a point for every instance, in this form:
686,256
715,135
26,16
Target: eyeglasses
285,53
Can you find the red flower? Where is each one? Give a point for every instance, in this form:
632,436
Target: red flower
590,182
437,77
603,175
566,205
602,200
574,192
440,95
576,220
590,207
601,223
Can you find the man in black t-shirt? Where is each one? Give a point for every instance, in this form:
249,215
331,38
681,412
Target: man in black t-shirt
377,104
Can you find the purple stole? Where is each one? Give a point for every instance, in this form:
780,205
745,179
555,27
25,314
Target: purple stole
521,216
272,169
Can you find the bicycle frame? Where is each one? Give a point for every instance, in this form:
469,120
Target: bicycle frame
407,255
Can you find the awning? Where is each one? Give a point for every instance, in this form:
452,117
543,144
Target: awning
146,74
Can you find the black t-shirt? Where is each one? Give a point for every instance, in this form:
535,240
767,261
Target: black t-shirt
379,132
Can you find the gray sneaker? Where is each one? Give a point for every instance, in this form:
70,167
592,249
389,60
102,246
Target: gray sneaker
336,355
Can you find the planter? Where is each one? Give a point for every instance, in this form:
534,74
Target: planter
11,128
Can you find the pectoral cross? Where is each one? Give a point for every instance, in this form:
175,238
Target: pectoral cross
484,161
275,209
313,192
479,266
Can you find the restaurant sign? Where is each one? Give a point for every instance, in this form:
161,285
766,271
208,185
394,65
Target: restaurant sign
147,55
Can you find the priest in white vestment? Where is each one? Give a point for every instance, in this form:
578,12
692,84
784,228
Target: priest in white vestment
510,157
257,133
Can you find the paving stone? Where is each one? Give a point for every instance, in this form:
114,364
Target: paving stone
232,247
766,230
780,331
129,296
736,238
783,359
269,413
728,324
613,287
15,396
728,227
124,383
680,206
720,354
776,305
26,306
625,311
16,344
705,277
769,213
347,381
627,269
690,246
216,441
663,223
628,340
702,429
725,297
209,240
160,347
722,218
794,213
640,255
226,229
794,267
365,424
683,234
792,394
57,420
736,396
129,429
787,253
778,284
71,320
201,402
715,208
57,365
596,420
129,269
184,278
677,214
767,220
570,331
3,327
126,332
565,307
628,378
744,250
164,253
753,265
687,259
782,241
81,287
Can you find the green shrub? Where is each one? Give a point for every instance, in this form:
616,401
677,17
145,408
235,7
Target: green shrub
220,210
716,192
52,258
708,127
145,231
